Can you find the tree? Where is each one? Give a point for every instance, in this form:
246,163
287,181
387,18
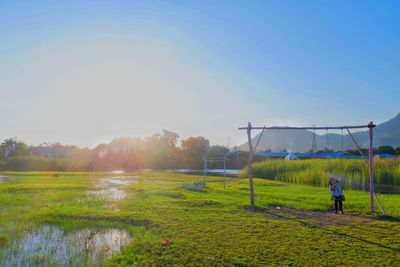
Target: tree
170,138
326,150
162,152
356,152
125,153
13,147
386,150
193,151
217,151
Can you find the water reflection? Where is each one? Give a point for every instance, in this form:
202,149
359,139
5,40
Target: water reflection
111,194
111,188
51,246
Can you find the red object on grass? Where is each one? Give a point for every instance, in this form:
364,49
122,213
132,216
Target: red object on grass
166,242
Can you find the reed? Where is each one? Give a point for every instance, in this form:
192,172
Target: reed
354,172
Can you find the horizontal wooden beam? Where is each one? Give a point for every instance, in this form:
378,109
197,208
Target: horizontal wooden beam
371,125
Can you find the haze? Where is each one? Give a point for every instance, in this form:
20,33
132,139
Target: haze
83,73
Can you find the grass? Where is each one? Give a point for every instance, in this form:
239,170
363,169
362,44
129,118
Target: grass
291,225
314,172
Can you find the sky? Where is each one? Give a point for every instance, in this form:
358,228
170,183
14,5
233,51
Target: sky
84,72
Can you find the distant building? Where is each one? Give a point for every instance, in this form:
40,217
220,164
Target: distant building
9,150
49,152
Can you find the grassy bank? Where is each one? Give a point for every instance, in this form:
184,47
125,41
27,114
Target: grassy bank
314,172
293,224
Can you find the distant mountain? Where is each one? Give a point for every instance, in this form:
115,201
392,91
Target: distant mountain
387,133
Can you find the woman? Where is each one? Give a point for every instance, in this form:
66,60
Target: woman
337,195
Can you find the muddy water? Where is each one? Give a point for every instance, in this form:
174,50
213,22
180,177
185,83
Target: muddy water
51,246
3,179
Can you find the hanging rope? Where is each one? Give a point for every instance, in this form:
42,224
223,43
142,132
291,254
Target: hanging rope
327,139
379,204
356,144
342,141
359,150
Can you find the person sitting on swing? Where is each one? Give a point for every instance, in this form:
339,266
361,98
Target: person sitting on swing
337,194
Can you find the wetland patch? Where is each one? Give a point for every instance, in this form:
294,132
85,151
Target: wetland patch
110,188
3,179
50,245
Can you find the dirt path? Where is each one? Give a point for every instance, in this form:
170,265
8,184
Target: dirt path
319,218
323,220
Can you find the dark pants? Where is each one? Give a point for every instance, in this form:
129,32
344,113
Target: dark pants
338,202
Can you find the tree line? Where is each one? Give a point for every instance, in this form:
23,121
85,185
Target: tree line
160,151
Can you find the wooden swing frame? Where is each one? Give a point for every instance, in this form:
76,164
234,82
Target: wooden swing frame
370,127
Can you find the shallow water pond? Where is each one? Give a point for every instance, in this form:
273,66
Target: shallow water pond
127,177
3,179
52,246
111,188
111,194
110,182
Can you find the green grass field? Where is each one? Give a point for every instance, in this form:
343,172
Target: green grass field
293,224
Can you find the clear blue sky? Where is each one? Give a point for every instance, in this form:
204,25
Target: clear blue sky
83,72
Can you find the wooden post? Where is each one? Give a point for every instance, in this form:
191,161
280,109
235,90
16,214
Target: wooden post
224,171
370,169
250,168
205,169
370,162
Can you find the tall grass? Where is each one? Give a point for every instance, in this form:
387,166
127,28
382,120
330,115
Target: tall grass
354,172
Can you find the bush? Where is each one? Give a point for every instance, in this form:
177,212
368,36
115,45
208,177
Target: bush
29,163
